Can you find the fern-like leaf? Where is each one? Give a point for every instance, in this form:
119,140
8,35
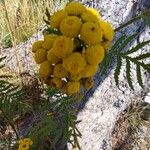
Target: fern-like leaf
117,70
136,48
146,16
139,76
128,75
143,56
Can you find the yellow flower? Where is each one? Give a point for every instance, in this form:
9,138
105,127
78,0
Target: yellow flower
75,77
75,8
56,82
70,26
88,83
45,69
74,63
40,56
89,71
90,15
47,36
52,58
108,32
73,87
94,54
37,45
91,33
48,42
57,17
62,46
24,144
59,71
106,44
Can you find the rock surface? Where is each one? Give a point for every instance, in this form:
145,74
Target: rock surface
102,104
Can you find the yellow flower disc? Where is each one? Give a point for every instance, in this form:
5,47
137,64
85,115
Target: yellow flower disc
94,54
45,69
47,36
75,8
48,42
52,58
88,83
62,46
74,63
40,56
59,71
73,87
70,26
108,32
37,45
56,82
106,44
75,77
90,15
91,33
57,17
89,71
24,144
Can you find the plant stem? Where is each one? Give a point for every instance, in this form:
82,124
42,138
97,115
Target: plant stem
11,124
128,23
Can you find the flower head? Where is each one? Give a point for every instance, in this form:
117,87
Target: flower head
62,46
57,17
59,71
88,83
73,87
56,82
89,71
74,63
94,54
48,42
24,144
40,56
70,26
75,8
37,45
108,32
75,77
45,69
52,58
91,33
90,15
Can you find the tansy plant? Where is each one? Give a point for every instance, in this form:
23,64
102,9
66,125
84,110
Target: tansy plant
76,44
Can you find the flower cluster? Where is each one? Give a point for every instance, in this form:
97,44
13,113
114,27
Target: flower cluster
70,60
24,144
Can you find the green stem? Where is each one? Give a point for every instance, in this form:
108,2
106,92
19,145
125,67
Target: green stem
128,23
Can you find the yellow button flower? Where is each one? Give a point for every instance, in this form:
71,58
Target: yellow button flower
52,58
91,33
74,63
48,42
94,54
89,71
70,26
45,69
56,82
47,36
75,77
88,83
59,71
73,87
40,56
75,8
90,15
24,144
57,17
108,32
62,46
106,44
37,45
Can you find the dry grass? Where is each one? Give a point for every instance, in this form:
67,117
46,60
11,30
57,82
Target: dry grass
19,19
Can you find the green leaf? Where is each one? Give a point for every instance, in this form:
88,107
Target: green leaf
128,71
146,16
47,14
117,70
137,47
51,31
2,58
143,56
139,76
